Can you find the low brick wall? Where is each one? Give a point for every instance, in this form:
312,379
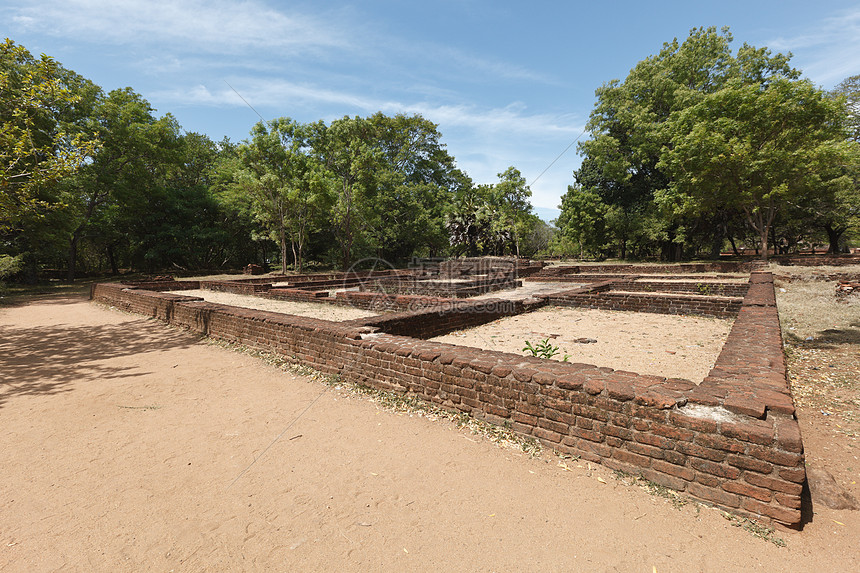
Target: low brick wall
446,317
681,268
162,286
237,287
703,287
603,296
732,440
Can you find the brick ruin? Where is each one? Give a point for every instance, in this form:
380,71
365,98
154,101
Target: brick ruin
732,440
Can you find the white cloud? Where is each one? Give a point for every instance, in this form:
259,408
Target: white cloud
828,51
511,119
217,26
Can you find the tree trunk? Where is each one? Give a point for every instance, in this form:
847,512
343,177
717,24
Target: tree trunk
763,232
73,254
734,247
114,269
282,236
833,236
296,265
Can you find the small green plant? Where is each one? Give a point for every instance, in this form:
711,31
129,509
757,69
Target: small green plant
8,267
704,289
543,349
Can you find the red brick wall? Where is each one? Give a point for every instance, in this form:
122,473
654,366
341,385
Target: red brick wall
602,296
732,441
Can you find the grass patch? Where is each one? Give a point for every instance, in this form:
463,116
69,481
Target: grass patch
811,312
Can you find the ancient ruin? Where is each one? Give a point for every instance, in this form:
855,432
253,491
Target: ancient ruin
731,440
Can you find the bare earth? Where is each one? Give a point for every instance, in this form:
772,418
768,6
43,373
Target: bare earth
657,344
130,446
324,311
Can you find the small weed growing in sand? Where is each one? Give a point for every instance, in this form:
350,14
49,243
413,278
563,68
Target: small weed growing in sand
754,527
543,349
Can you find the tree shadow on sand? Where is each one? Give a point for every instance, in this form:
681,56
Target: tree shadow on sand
44,360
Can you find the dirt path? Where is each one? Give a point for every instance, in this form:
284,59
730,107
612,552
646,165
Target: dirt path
128,446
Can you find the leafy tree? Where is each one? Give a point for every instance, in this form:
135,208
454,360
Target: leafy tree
511,201
345,148
849,89
538,238
35,150
583,220
698,136
753,147
490,219
283,183
112,188
392,180
416,181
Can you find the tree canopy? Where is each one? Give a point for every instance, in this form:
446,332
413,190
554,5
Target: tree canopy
697,141
95,180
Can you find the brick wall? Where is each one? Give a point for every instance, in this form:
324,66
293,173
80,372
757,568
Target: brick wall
712,267
444,318
703,287
732,440
604,296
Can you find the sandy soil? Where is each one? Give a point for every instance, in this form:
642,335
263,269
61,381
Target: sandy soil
659,344
324,311
128,446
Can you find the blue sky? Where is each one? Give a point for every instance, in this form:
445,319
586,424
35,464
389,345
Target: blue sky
508,83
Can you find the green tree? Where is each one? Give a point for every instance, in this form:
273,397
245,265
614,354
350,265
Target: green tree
583,220
283,183
755,147
634,124
35,149
849,89
112,188
513,211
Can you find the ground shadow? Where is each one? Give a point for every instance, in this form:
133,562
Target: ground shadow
807,511
830,338
43,360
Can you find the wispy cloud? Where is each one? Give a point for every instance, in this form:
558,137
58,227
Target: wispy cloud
514,118
217,26
831,47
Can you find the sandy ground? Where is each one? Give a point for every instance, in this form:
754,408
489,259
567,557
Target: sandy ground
659,344
529,289
324,311
127,445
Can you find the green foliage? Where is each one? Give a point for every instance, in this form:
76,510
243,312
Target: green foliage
35,149
93,180
754,148
848,92
695,140
280,180
491,219
9,266
543,349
